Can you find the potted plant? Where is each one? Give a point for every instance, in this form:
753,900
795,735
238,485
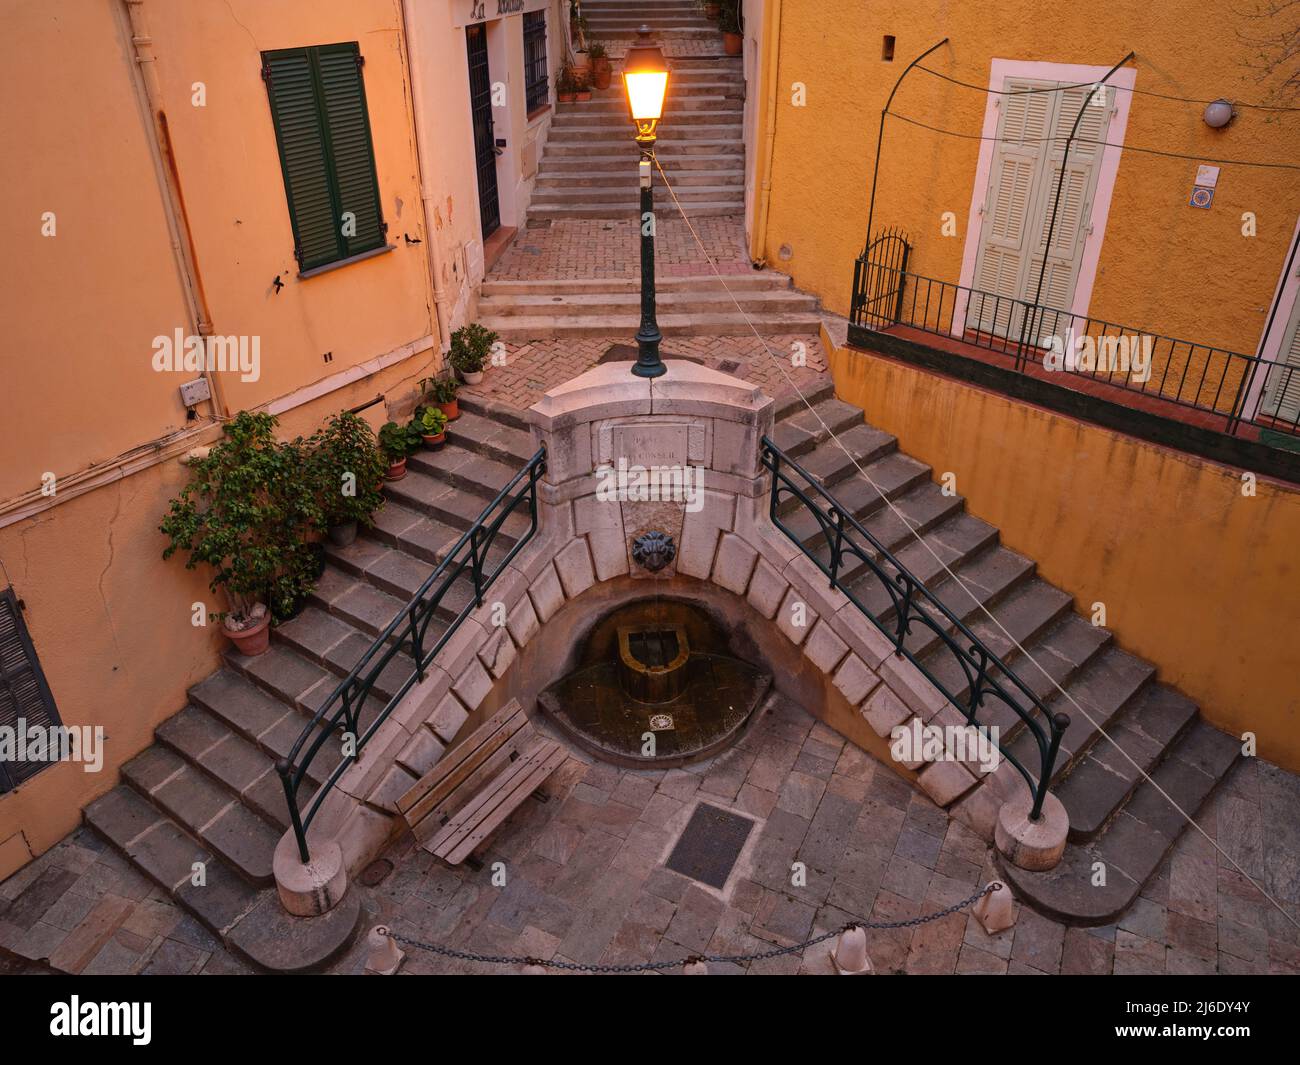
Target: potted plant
566,86
246,512
712,8
348,468
431,424
577,25
733,40
441,392
470,347
602,71
583,90
395,443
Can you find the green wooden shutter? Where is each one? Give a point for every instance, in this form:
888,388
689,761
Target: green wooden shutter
318,106
23,691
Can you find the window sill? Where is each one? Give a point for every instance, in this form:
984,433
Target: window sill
538,114
316,271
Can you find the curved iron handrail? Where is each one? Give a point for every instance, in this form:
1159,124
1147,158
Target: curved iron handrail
908,597
405,634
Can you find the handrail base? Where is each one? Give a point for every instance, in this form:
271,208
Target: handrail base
314,888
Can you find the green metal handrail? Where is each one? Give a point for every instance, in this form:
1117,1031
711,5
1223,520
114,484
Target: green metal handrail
406,635
913,603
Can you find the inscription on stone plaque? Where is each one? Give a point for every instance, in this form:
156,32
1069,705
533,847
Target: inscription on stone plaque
651,445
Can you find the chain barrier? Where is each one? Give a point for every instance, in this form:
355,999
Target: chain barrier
659,966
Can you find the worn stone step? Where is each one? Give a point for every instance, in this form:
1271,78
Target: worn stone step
718,112
749,281
591,149
916,510
627,194
496,410
465,468
677,107
807,427
790,401
281,672
1099,783
205,810
414,532
625,180
695,209
859,494
496,440
1136,840
615,134
539,327
673,164
706,301
448,504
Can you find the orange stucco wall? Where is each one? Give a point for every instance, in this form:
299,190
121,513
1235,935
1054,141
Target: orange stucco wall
1197,577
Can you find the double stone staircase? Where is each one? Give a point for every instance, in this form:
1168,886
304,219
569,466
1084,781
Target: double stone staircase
207,790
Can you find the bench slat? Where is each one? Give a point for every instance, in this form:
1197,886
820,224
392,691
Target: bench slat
520,792
457,764
500,761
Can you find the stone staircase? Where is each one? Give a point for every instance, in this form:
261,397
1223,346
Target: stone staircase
589,167
207,790
669,19
685,306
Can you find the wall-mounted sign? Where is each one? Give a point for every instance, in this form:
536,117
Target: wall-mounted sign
470,12
1207,176
1202,196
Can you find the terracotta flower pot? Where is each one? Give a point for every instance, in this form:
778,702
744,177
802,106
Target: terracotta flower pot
713,11
433,443
732,43
602,72
583,96
451,409
566,97
254,640
396,470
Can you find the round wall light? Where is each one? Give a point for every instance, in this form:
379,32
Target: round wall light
1218,114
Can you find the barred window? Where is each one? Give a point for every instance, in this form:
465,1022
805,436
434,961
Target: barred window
25,698
537,79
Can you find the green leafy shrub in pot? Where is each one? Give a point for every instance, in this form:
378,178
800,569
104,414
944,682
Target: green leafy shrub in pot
471,346
247,512
348,469
442,393
431,424
397,442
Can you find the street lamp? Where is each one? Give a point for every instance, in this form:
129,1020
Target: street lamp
645,78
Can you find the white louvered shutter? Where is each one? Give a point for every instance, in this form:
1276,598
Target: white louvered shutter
1282,395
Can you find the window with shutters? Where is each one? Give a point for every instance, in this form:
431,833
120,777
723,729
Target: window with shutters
1035,121
1282,387
322,128
24,694
537,79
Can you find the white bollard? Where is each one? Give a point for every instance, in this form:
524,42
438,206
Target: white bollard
696,968
385,956
995,911
850,954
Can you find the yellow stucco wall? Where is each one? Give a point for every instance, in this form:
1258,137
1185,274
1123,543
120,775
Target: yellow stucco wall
1164,266
1197,577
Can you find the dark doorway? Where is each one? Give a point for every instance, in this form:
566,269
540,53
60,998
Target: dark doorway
480,106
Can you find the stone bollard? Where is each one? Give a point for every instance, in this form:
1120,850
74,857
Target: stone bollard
995,911
385,956
850,954
696,967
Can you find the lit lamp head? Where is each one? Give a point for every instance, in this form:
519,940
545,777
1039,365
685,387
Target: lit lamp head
645,77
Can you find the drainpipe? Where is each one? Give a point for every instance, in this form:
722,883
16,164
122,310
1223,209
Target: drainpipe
173,201
758,239
424,157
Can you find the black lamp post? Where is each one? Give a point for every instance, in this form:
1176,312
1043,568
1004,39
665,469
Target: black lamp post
645,79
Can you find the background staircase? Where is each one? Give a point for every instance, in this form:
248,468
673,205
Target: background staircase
681,19
207,790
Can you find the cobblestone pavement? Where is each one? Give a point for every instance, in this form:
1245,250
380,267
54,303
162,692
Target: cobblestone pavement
586,880
534,367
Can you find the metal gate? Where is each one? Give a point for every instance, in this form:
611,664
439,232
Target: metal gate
879,277
480,106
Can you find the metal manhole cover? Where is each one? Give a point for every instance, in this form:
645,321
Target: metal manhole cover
710,844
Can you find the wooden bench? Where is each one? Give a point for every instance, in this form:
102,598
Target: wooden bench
477,784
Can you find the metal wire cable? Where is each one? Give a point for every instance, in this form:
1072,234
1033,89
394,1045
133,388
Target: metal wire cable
947,569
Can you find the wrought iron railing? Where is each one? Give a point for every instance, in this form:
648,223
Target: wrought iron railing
1228,389
407,637
913,604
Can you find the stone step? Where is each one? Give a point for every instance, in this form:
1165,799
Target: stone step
625,179
623,163
673,302
718,111
1101,781
790,401
448,504
629,197
625,325
701,209
251,922
591,150
414,532
807,427
834,460
728,99
1136,840
891,475
206,811
614,134
495,409
464,468
749,281
487,436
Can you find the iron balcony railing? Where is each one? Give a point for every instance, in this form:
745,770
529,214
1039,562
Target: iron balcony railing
406,639
853,559
1228,389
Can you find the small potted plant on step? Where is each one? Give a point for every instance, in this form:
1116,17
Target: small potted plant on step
395,443
566,86
441,392
602,71
432,426
712,9
733,40
348,470
471,345
583,79
247,512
